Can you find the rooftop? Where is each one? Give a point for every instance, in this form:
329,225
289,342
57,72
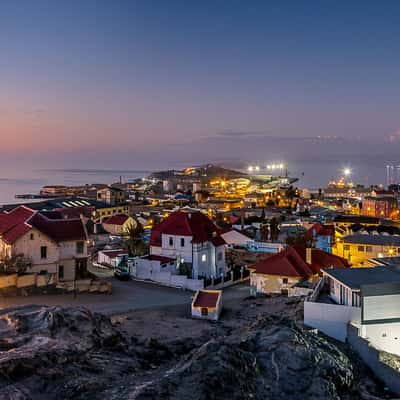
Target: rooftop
354,278
292,262
207,298
373,239
183,223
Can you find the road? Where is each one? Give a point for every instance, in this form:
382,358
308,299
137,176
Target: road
126,296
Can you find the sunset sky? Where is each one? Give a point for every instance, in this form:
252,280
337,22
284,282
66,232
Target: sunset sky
144,81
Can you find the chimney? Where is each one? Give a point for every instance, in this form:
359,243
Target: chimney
242,219
309,255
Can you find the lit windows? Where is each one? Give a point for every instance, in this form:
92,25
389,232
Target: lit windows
204,258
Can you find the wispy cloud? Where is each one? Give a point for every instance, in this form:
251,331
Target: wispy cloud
240,134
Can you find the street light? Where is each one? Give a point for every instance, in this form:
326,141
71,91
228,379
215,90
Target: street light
347,171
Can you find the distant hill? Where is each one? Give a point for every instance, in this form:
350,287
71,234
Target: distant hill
208,171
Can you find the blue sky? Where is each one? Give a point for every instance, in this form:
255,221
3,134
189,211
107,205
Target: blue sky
157,80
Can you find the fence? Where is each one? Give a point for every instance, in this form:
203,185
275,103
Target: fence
15,281
231,278
168,279
27,280
85,285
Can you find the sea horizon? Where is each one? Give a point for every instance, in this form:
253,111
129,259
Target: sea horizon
311,175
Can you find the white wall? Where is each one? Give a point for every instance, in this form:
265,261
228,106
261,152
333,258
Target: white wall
385,337
176,250
331,319
151,270
31,248
68,250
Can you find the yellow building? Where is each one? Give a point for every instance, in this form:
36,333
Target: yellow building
359,248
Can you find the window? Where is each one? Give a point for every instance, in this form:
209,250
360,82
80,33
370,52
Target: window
355,299
360,248
80,247
171,241
43,252
368,249
346,247
204,258
204,311
284,280
219,256
61,272
182,242
32,236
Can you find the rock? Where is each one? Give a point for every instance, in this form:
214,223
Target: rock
270,363
41,345
49,353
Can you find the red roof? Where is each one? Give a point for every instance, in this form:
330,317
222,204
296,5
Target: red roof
206,299
292,262
182,223
59,230
116,220
115,253
19,221
14,224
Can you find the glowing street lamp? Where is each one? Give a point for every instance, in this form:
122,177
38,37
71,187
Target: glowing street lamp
250,169
347,171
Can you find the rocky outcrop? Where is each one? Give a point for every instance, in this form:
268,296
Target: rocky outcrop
70,353
267,362
45,346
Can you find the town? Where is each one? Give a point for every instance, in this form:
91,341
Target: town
199,200
207,239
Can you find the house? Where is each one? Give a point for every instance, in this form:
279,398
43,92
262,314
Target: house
112,258
381,207
112,195
322,236
119,225
281,272
51,244
193,240
375,292
207,304
358,248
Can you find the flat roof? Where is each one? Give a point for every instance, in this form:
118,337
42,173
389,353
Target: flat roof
354,278
371,239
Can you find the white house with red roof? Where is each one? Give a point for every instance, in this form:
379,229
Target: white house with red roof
281,272
193,240
50,244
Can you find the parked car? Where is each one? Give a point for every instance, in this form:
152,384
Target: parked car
122,274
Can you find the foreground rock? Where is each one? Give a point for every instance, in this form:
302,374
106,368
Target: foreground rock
71,353
46,348
267,362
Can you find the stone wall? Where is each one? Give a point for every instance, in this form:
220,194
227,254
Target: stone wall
385,366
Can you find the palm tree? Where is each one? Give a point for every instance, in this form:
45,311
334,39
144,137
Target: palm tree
134,242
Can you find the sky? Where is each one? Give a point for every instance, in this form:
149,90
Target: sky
141,84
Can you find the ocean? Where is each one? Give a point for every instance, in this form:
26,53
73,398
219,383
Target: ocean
30,182
313,173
